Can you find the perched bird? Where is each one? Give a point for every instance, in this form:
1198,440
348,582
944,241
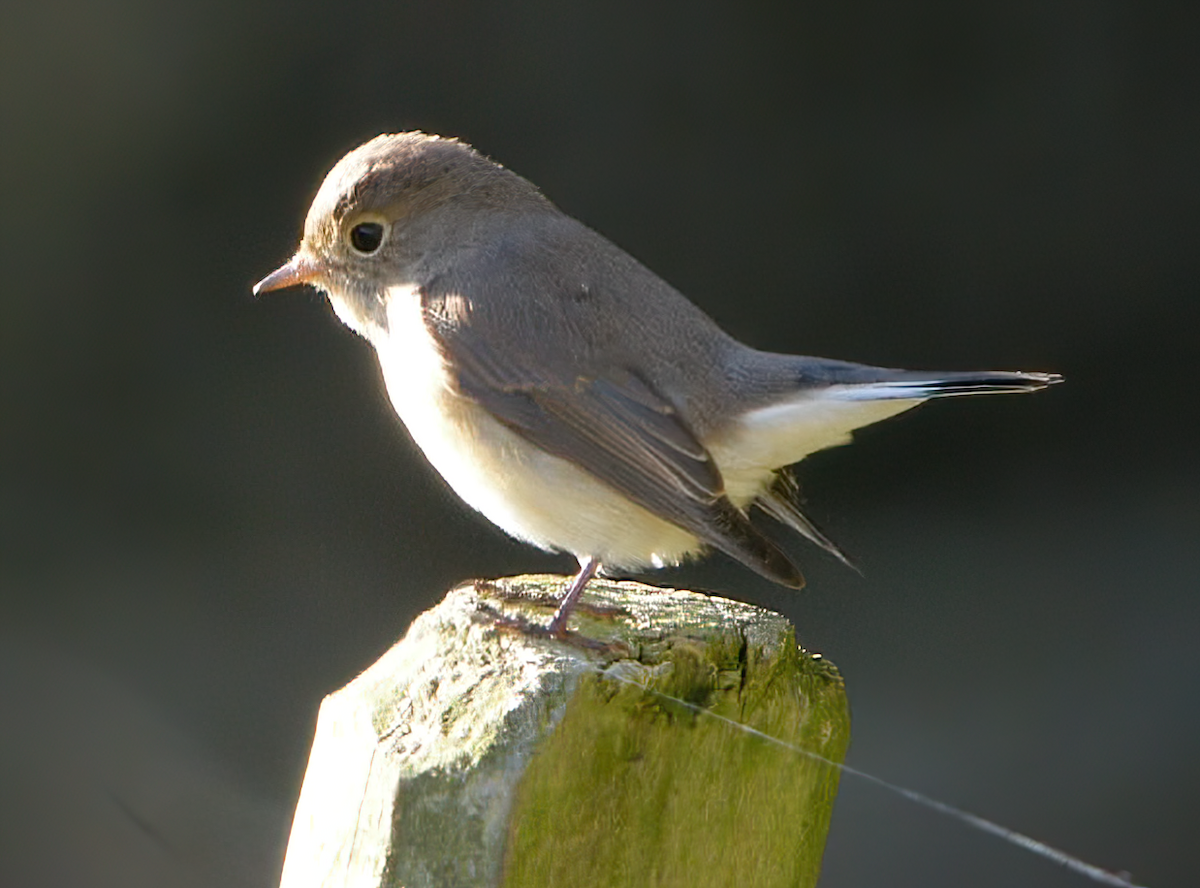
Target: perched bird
563,389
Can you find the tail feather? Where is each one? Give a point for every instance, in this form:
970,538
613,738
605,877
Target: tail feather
815,403
918,385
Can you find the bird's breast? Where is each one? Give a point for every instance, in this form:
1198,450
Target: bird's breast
527,492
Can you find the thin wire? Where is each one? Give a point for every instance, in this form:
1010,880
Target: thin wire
1069,861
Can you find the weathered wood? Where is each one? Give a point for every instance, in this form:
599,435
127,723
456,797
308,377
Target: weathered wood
475,756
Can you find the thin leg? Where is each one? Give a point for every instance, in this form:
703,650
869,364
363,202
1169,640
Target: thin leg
587,570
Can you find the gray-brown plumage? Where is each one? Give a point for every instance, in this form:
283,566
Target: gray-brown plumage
562,388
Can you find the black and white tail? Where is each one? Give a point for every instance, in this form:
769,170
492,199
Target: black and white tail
918,385
831,400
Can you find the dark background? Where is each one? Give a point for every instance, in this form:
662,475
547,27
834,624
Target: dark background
209,517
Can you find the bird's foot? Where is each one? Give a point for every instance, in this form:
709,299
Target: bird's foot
518,625
518,594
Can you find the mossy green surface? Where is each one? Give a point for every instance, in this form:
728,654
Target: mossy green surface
634,788
476,753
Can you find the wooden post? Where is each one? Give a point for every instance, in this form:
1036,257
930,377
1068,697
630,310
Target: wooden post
475,756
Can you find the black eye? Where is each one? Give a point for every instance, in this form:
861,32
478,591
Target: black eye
366,236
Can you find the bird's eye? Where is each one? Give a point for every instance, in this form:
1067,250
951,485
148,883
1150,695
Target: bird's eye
366,237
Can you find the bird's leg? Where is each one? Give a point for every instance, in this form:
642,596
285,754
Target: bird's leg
567,605
587,570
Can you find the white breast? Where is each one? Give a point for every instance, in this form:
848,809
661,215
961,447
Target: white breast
530,494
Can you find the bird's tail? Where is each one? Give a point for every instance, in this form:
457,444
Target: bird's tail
832,399
907,385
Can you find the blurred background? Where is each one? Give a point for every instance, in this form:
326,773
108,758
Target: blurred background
210,518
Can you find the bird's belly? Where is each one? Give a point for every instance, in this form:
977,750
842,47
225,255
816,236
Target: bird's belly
531,494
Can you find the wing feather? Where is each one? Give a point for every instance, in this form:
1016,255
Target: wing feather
607,420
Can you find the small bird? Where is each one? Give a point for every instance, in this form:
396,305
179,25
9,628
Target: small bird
563,389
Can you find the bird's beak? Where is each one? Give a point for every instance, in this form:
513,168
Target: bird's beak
300,269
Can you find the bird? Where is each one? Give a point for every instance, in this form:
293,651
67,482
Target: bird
564,390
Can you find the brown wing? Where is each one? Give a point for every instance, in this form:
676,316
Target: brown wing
550,387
